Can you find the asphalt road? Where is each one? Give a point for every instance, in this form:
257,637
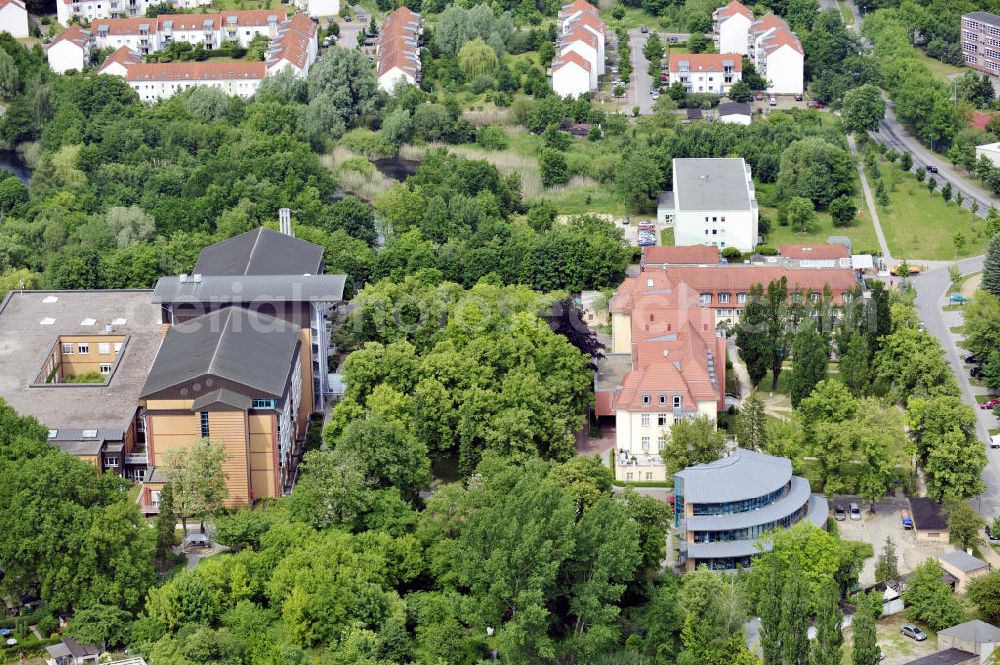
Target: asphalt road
894,135
638,92
932,288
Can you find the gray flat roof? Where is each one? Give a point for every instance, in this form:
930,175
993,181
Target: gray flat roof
797,497
976,631
250,289
261,251
249,348
735,108
25,344
963,561
743,475
946,657
984,17
711,184
611,369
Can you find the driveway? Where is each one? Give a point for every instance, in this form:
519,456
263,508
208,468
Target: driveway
349,31
640,81
895,136
932,288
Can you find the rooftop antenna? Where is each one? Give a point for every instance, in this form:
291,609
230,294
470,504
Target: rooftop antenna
285,221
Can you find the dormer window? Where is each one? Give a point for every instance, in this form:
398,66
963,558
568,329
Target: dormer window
677,401
663,398
645,399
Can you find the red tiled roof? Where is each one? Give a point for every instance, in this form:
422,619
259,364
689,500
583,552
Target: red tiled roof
123,56
579,34
706,62
733,8
693,254
190,21
591,20
254,17
73,33
389,58
570,57
197,71
292,43
16,3
579,6
123,26
980,120
832,251
782,37
767,22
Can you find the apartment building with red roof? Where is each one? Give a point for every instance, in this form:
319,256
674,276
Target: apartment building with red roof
295,46
583,33
397,49
731,27
777,54
713,73
117,63
659,256
159,80
69,51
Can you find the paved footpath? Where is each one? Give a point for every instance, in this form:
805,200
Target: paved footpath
870,200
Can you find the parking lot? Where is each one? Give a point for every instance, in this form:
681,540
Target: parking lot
875,527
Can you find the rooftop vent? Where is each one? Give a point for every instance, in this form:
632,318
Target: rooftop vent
649,282
47,321
183,279
90,433
196,278
119,321
88,322
50,299
53,433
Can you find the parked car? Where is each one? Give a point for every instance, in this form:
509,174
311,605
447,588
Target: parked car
347,18
995,441
814,104
906,519
773,101
798,98
664,76
326,42
644,30
972,359
913,632
931,168
990,535
957,298
975,372
673,40
855,511
759,96
839,513
989,404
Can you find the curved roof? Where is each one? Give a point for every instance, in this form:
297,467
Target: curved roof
797,497
743,475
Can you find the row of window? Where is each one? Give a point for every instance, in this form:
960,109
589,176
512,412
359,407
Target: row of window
662,400
716,219
662,419
742,506
103,348
716,232
750,533
630,476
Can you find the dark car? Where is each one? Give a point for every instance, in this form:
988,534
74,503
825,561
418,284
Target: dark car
975,372
798,98
971,359
814,104
644,30
932,169
839,513
990,535
347,18
913,632
673,40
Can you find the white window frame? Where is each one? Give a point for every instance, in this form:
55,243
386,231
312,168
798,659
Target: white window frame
105,368
67,348
104,348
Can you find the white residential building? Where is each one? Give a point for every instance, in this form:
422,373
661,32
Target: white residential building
295,47
137,34
582,42
731,26
398,49
317,8
148,35
70,50
581,14
714,203
117,63
571,75
94,9
155,81
14,18
990,151
778,55
713,73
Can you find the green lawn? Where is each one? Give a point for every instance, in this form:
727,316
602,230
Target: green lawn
919,224
938,68
634,18
845,12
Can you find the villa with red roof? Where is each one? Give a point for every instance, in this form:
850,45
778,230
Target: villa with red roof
731,27
70,50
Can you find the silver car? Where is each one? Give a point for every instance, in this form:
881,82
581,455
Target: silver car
855,511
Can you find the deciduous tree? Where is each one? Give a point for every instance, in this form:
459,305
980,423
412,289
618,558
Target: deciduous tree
929,600
692,441
751,432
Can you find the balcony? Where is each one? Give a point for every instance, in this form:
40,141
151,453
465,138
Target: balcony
137,458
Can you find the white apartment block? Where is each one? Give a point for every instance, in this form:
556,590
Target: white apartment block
317,8
94,9
398,50
778,55
70,50
583,43
295,47
14,18
571,75
156,81
714,203
713,73
731,27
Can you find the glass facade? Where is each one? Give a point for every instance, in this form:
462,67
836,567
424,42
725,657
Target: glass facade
743,506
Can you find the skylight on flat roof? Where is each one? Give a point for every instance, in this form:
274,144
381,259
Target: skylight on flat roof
47,321
88,322
50,299
119,321
53,433
90,433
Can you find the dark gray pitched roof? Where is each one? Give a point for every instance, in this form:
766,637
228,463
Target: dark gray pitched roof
222,290
976,631
735,108
233,343
927,514
261,252
221,396
946,657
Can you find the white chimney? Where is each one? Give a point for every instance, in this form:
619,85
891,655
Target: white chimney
285,221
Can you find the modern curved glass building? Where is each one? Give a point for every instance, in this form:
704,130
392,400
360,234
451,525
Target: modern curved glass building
723,507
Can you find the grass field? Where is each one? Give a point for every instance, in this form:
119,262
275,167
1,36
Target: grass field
938,68
919,224
845,12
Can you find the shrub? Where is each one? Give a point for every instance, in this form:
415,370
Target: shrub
368,143
732,254
766,250
358,165
47,625
492,138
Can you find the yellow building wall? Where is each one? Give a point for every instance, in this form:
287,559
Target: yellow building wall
81,363
306,398
621,332
232,430
172,431
263,456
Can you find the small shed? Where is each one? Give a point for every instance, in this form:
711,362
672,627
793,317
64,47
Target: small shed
736,113
963,566
928,521
196,540
71,652
693,115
